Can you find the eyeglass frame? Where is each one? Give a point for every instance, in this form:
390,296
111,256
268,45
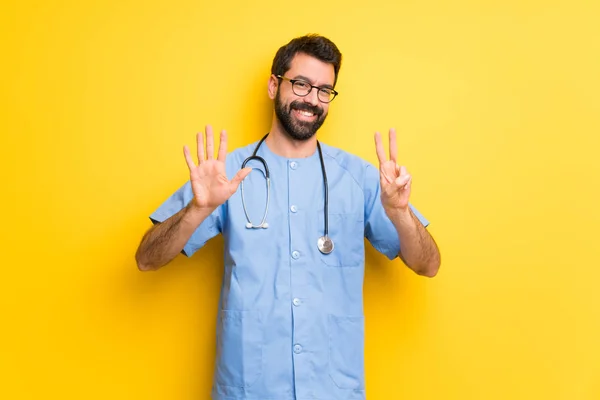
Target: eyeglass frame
293,81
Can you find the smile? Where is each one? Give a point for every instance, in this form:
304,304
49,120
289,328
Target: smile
304,114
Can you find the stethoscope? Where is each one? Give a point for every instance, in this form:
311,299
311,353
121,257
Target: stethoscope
324,244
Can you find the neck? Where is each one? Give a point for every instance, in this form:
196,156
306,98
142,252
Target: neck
283,145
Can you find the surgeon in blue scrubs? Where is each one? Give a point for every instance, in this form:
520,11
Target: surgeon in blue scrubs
290,322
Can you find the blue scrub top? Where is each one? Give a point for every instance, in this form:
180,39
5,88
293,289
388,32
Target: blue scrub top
290,323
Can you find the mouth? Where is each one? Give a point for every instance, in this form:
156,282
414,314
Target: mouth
305,112
305,115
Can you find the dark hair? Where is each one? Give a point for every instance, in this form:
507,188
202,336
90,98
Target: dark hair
313,45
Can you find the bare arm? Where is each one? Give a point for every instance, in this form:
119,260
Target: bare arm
417,248
164,241
211,188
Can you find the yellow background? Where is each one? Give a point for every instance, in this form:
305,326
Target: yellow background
497,108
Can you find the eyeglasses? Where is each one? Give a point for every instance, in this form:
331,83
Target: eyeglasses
303,88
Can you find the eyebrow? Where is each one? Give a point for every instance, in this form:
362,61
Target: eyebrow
304,78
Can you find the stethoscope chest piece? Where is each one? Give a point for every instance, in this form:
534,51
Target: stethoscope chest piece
325,244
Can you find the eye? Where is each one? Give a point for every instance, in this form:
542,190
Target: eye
327,91
302,85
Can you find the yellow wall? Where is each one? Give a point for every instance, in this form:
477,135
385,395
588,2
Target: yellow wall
497,106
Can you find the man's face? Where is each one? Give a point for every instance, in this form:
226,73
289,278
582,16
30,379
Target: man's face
301,117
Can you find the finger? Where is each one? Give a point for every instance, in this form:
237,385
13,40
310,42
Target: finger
239,177
379,148
222,146
402,181
403,170
188,158
210,152
385,177
393,149
200,147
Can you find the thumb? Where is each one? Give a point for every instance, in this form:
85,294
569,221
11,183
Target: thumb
239,177
402,180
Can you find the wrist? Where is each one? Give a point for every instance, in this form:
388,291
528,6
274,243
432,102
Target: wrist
399,214
196,212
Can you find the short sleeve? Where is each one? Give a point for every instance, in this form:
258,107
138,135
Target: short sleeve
209,228
379,230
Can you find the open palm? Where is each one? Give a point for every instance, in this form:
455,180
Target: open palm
209,181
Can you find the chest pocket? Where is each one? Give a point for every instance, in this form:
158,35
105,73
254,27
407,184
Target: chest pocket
347,232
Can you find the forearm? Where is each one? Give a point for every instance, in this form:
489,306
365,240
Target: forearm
418,250
164,241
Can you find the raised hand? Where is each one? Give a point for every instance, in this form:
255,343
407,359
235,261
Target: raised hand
395,180
209,180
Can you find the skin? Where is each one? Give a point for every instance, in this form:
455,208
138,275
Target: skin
316,73
211,187
418,250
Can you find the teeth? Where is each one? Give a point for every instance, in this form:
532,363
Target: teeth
306,113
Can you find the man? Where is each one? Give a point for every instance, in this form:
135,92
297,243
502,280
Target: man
291,323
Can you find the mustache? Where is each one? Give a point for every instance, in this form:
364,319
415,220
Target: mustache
302,106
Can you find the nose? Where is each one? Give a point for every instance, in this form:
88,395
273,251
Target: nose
312,97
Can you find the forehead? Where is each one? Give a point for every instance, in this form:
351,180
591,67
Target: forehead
318,72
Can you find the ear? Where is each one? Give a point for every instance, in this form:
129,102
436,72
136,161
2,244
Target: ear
272,86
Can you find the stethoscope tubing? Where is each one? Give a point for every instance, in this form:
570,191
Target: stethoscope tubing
263,223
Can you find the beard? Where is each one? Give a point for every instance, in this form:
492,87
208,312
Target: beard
298,130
